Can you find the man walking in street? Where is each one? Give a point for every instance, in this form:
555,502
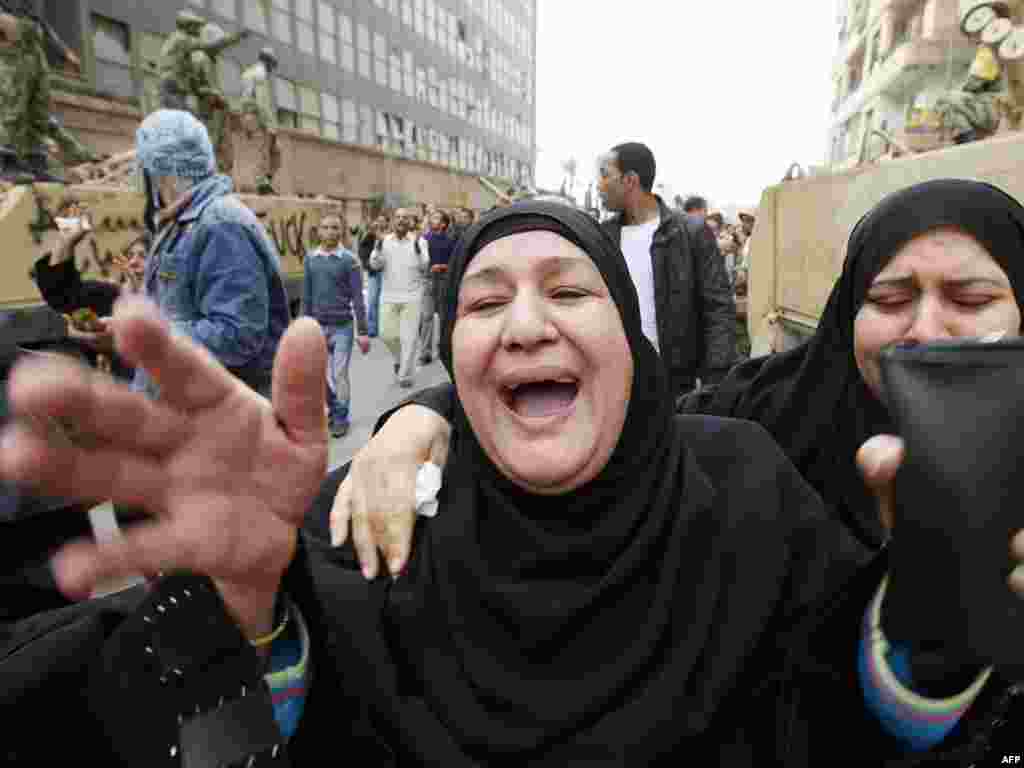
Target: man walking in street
332,292
440,245
686,302
369,242
404,258
213,270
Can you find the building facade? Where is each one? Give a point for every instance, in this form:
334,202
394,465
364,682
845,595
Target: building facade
890,52
443,83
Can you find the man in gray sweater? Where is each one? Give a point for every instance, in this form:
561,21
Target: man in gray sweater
332,292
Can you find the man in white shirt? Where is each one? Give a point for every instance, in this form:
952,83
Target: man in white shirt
686,301
404,258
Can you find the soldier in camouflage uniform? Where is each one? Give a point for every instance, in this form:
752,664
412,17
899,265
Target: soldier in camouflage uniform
179,71
258,155
24,99
972,112
213,108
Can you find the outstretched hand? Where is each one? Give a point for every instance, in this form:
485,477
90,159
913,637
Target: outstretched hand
226,475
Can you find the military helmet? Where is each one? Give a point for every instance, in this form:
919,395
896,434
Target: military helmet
268,55
187,20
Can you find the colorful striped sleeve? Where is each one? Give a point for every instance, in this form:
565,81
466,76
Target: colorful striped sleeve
918,722
290,673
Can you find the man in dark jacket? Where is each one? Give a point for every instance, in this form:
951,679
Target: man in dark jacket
685,299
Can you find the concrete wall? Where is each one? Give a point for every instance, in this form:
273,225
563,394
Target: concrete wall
311,165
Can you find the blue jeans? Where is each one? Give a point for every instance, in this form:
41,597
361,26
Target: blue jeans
374,281
339,353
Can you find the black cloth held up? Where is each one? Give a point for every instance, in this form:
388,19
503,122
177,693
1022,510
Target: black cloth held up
812,399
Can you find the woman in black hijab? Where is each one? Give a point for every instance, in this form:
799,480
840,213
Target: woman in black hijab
814,400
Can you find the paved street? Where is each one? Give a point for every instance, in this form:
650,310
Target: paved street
373,391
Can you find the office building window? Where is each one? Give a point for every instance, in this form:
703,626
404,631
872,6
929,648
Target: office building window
309,110
348,52
366,125
421,84
443,96
331,116
407,12
327,22
395,63
417,11
282,22
364,51
349,121
112,44
407,75
287,103
225,8
304,10
305,37
429,21
255,15
380,59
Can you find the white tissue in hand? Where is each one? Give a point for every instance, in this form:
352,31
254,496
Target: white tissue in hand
428,483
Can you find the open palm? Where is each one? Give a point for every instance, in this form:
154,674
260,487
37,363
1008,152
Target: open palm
225,474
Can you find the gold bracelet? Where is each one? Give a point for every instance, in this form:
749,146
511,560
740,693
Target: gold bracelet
267,639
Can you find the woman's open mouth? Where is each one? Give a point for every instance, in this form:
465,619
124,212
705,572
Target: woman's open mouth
538,399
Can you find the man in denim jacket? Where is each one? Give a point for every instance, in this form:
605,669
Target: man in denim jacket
213,270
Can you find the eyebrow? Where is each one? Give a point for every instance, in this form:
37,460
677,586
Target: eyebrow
496,275
964,282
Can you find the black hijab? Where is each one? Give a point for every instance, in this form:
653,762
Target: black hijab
577,622
812,399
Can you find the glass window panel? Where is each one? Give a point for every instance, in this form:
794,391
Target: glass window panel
111,40
283,27
364,65
330,107
366,125
306,37
407,12
304,9
115,79
325,19
309,101
285,92
364,38
225,8
345,28
380,46
410,85
381,71
284,5
348,57
255,15
328,47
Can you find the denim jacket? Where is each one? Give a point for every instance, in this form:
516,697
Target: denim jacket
216,276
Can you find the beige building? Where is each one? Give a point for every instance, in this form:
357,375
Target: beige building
889,52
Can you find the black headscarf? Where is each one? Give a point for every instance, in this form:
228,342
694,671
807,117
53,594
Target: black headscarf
535,622
812,399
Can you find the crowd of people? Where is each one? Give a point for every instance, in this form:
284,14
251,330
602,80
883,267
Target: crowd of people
641,552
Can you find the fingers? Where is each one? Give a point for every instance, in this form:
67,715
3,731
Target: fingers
879,459
439,446
341,513
61,468
97,409
189,376
362,540
1016,578
392,530
298,386
144,548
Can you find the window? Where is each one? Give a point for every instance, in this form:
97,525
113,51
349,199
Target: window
305,37
407,12
364,51
225,8
331,116
111,42
348,54
407,75
349,121
421,84
396,71
309,110
304,10
418,16
255,15
429,18
282,26
328,33
380,57
366,125
287,103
